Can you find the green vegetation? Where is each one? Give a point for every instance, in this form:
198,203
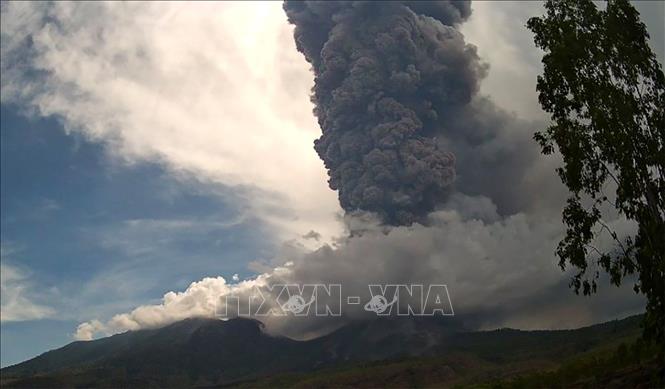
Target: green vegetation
605,92
606,355
632,364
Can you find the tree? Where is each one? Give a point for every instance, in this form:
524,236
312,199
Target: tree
605,92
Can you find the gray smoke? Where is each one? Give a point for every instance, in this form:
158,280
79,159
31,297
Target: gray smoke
388,76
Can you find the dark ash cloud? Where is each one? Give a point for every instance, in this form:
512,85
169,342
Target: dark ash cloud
387,77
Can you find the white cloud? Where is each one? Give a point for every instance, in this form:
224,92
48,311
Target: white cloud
87,330
216,90
17,294
198,300
499,31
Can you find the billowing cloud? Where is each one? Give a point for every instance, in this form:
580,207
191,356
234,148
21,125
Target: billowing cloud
499,271
386,77
199,299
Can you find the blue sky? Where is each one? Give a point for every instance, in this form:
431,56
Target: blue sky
96,235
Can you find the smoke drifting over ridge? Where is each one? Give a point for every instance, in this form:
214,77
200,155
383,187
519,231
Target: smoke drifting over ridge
492,243
388,77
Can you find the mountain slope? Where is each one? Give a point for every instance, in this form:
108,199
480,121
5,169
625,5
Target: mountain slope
192,350
213,352
600,356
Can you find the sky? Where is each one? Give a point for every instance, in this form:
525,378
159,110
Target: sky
155,155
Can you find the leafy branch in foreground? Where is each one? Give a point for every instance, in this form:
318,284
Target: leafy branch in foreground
605,92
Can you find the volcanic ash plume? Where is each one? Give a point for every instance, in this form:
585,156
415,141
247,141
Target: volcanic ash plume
388,75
